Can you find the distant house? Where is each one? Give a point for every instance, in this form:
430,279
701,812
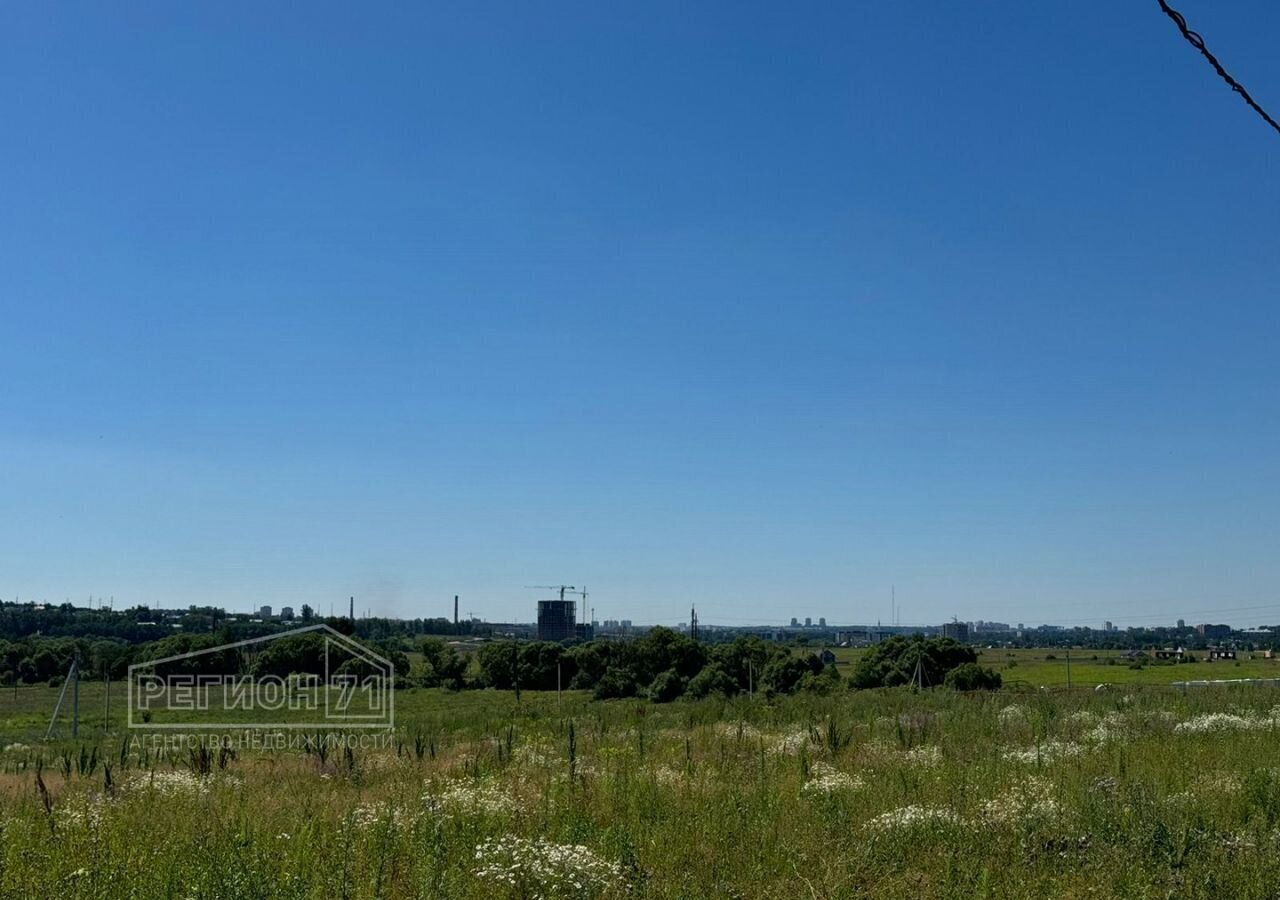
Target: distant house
1171,653
1221,653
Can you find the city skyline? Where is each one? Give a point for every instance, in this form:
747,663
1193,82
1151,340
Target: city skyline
810,623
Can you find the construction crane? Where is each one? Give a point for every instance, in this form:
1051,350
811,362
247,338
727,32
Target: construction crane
562,588
591,613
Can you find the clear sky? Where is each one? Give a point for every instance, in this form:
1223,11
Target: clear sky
764,307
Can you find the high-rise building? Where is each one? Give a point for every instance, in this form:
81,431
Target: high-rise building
822,621
556,620
264,612
957,630
795,623
1107,626
286,612
808,622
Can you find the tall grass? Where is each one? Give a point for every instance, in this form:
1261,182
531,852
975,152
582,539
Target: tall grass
879,794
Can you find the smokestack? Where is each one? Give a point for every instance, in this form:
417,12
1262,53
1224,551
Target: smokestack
352,614
455,610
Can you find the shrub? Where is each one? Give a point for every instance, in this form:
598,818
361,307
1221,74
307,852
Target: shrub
666,687
973,677
713,679
822,683
616,683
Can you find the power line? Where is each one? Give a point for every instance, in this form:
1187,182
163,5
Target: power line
1198,42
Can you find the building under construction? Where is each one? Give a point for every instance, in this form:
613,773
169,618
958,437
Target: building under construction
557,620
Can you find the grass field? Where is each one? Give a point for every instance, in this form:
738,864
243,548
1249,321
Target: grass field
1037,667
1137,791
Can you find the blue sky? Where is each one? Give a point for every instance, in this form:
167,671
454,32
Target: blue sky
765,309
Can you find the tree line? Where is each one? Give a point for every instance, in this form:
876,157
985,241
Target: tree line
665,665
661,665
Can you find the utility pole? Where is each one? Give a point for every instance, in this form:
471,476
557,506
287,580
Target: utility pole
1068,668
515,669
72,674
75,700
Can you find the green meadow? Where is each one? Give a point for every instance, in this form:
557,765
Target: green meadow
1041,667
1136,790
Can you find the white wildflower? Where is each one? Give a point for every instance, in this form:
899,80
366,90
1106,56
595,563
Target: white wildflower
1028,800
788,743
668,776
823,779
367,815
924,757
538,756
1111,728
83,812
1049,751
1212,783
544,869
1083,719
469,798
1012,715
174,784
1217,722
907,817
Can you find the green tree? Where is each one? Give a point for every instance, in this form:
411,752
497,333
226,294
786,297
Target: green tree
666,687
973,677
712,680
617,682
899,660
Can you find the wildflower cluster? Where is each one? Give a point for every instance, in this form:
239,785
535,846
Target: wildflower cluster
178,783
909,817
924,757
787,743
544,869
84,812
464,797
1048,752
1028,801
1216,722
1012,716
823,779
367,815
